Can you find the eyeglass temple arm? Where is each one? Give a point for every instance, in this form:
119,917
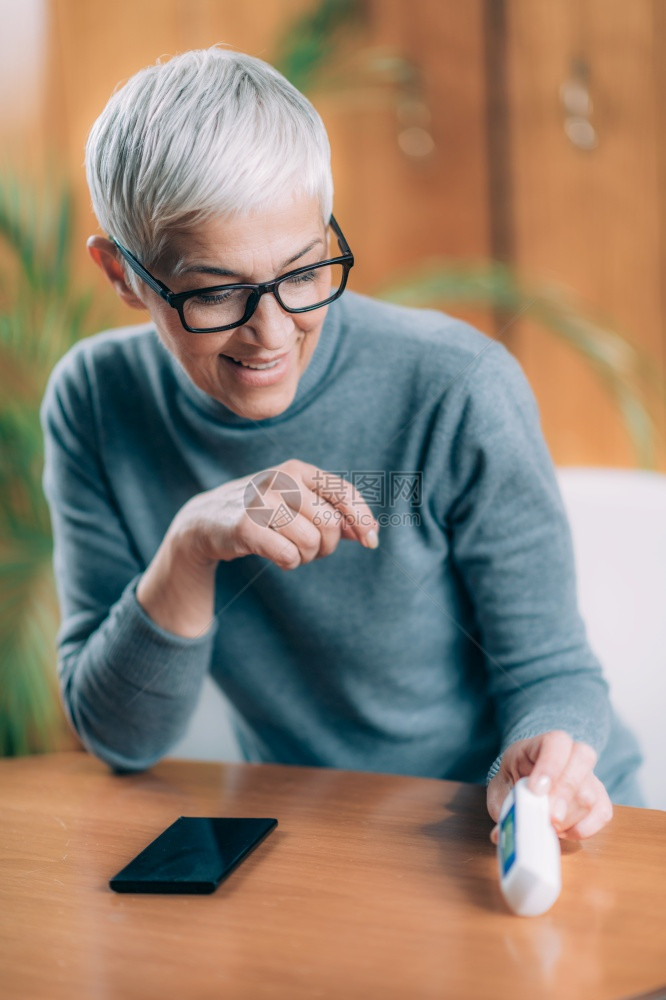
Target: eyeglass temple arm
136,266
344,246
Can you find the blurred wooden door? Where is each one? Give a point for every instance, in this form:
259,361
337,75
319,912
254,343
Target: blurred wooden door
546,125
585,122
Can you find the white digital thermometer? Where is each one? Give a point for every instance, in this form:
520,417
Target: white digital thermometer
528,852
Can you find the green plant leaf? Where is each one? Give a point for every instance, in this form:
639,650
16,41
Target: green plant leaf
312,39
42,314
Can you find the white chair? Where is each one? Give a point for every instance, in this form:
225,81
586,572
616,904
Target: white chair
618,523
209,735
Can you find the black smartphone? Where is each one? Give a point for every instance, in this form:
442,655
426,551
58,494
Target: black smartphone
193,855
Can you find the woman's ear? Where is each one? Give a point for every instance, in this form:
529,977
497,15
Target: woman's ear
104,253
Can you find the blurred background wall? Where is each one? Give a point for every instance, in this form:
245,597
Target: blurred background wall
529,131
502,159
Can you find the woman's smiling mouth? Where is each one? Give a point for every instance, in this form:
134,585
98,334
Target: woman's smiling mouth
256,363
258,371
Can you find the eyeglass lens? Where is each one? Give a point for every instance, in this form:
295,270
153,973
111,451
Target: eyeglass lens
300,291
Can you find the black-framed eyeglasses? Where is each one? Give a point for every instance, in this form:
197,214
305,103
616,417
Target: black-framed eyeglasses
224,307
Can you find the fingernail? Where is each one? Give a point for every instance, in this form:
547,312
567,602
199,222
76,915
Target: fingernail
559,810
542,785
371,539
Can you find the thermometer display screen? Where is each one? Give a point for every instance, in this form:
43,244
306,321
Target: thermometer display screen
508,839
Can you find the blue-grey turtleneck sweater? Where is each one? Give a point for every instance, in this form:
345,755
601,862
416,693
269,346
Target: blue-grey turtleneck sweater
426,656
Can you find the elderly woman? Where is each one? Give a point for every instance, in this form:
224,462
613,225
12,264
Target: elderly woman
343,510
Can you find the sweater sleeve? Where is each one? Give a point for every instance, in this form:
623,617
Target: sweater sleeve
511,544
128,686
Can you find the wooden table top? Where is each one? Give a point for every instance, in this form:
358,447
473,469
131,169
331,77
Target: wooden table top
372,886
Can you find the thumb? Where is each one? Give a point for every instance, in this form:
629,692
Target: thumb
498,789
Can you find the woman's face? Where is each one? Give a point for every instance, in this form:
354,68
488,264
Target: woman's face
253,248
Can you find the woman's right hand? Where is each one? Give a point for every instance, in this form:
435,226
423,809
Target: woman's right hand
291,514
243,517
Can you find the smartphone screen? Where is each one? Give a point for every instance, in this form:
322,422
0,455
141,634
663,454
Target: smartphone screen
193,855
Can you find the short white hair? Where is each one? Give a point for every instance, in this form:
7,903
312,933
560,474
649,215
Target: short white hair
211,132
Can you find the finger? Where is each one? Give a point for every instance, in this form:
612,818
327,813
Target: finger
573,793
348,530
308,520
326,519
494,835
595,820
551,760
271,544
517,762
330,534
302,532
581,803
276,531
342,495
498,789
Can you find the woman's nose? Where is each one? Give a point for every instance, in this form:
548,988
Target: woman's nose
269,323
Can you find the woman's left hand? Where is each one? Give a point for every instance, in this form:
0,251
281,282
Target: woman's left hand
564,770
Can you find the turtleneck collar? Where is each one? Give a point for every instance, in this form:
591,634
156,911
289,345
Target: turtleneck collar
308,384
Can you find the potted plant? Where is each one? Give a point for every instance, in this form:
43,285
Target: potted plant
41,314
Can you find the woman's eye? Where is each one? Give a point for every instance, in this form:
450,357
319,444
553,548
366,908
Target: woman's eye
302,279
212,300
